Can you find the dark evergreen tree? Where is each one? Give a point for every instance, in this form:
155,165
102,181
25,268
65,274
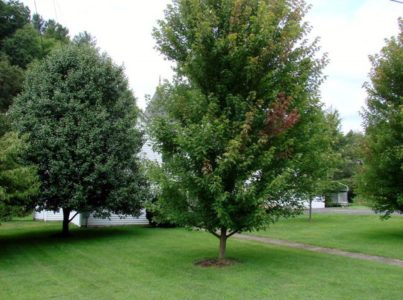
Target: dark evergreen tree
81,119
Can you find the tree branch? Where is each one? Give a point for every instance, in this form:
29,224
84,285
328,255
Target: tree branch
214,233
232,233
71,219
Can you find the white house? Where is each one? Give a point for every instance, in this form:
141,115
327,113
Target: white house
317,202
90,220
113,220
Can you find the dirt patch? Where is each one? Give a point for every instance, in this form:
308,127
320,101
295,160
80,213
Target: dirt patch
214,262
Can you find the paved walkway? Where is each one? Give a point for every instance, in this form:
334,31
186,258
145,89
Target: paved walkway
266,240
347,211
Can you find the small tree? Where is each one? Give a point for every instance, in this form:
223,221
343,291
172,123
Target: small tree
81,119
18,182
234,126
321,156
382,173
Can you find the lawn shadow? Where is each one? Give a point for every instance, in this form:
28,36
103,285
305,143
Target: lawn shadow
385,233
49,237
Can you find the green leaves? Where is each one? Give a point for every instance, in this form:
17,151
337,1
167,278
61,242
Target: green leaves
382,172
81,119
18,182
233,125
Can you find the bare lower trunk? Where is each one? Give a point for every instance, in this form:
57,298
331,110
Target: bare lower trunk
66,221
223,244
310,210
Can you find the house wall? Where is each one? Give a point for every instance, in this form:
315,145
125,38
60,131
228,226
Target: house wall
318,202
115,220
148,153
80,220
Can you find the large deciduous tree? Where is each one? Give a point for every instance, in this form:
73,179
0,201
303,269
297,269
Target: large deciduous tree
81,119
241,126
382,173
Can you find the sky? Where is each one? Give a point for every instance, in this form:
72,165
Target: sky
349,31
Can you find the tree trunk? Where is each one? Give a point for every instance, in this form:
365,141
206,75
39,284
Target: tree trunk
310,210
66,221
223,244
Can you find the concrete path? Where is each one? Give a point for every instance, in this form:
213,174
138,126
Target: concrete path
346,211
266,240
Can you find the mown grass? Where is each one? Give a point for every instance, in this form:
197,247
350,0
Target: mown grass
358,233
144,263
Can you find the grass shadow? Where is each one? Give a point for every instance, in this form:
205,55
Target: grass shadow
23,239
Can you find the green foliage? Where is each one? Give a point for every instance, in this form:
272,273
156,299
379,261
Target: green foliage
85,38
23,47
382,174
81,119
50,29
10,82
13,15
18,182
240,128
351,158
22,42
321,139
56,31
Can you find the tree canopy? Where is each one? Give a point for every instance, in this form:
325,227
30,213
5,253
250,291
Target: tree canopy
22,41
81,119
240,128
382,173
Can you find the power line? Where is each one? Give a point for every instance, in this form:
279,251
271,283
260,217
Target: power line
54,7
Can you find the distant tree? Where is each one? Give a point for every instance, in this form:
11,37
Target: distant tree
10,82
38,23
23,47
321,156
13,15
382,174
54,30
84,38
236,125
22,42
18,181
81,119
351,154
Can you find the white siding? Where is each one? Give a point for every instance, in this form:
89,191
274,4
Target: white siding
77,219
80,220
148,153
115,220
39,215
318,202
48,215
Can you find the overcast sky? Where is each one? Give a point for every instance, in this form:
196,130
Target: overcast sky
350,30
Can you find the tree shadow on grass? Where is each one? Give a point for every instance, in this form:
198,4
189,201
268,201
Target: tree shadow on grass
385,234
49,237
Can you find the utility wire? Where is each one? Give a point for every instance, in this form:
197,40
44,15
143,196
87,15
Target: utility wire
39,29
54,7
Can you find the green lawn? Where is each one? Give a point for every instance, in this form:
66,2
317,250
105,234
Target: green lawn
144,263
357,233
